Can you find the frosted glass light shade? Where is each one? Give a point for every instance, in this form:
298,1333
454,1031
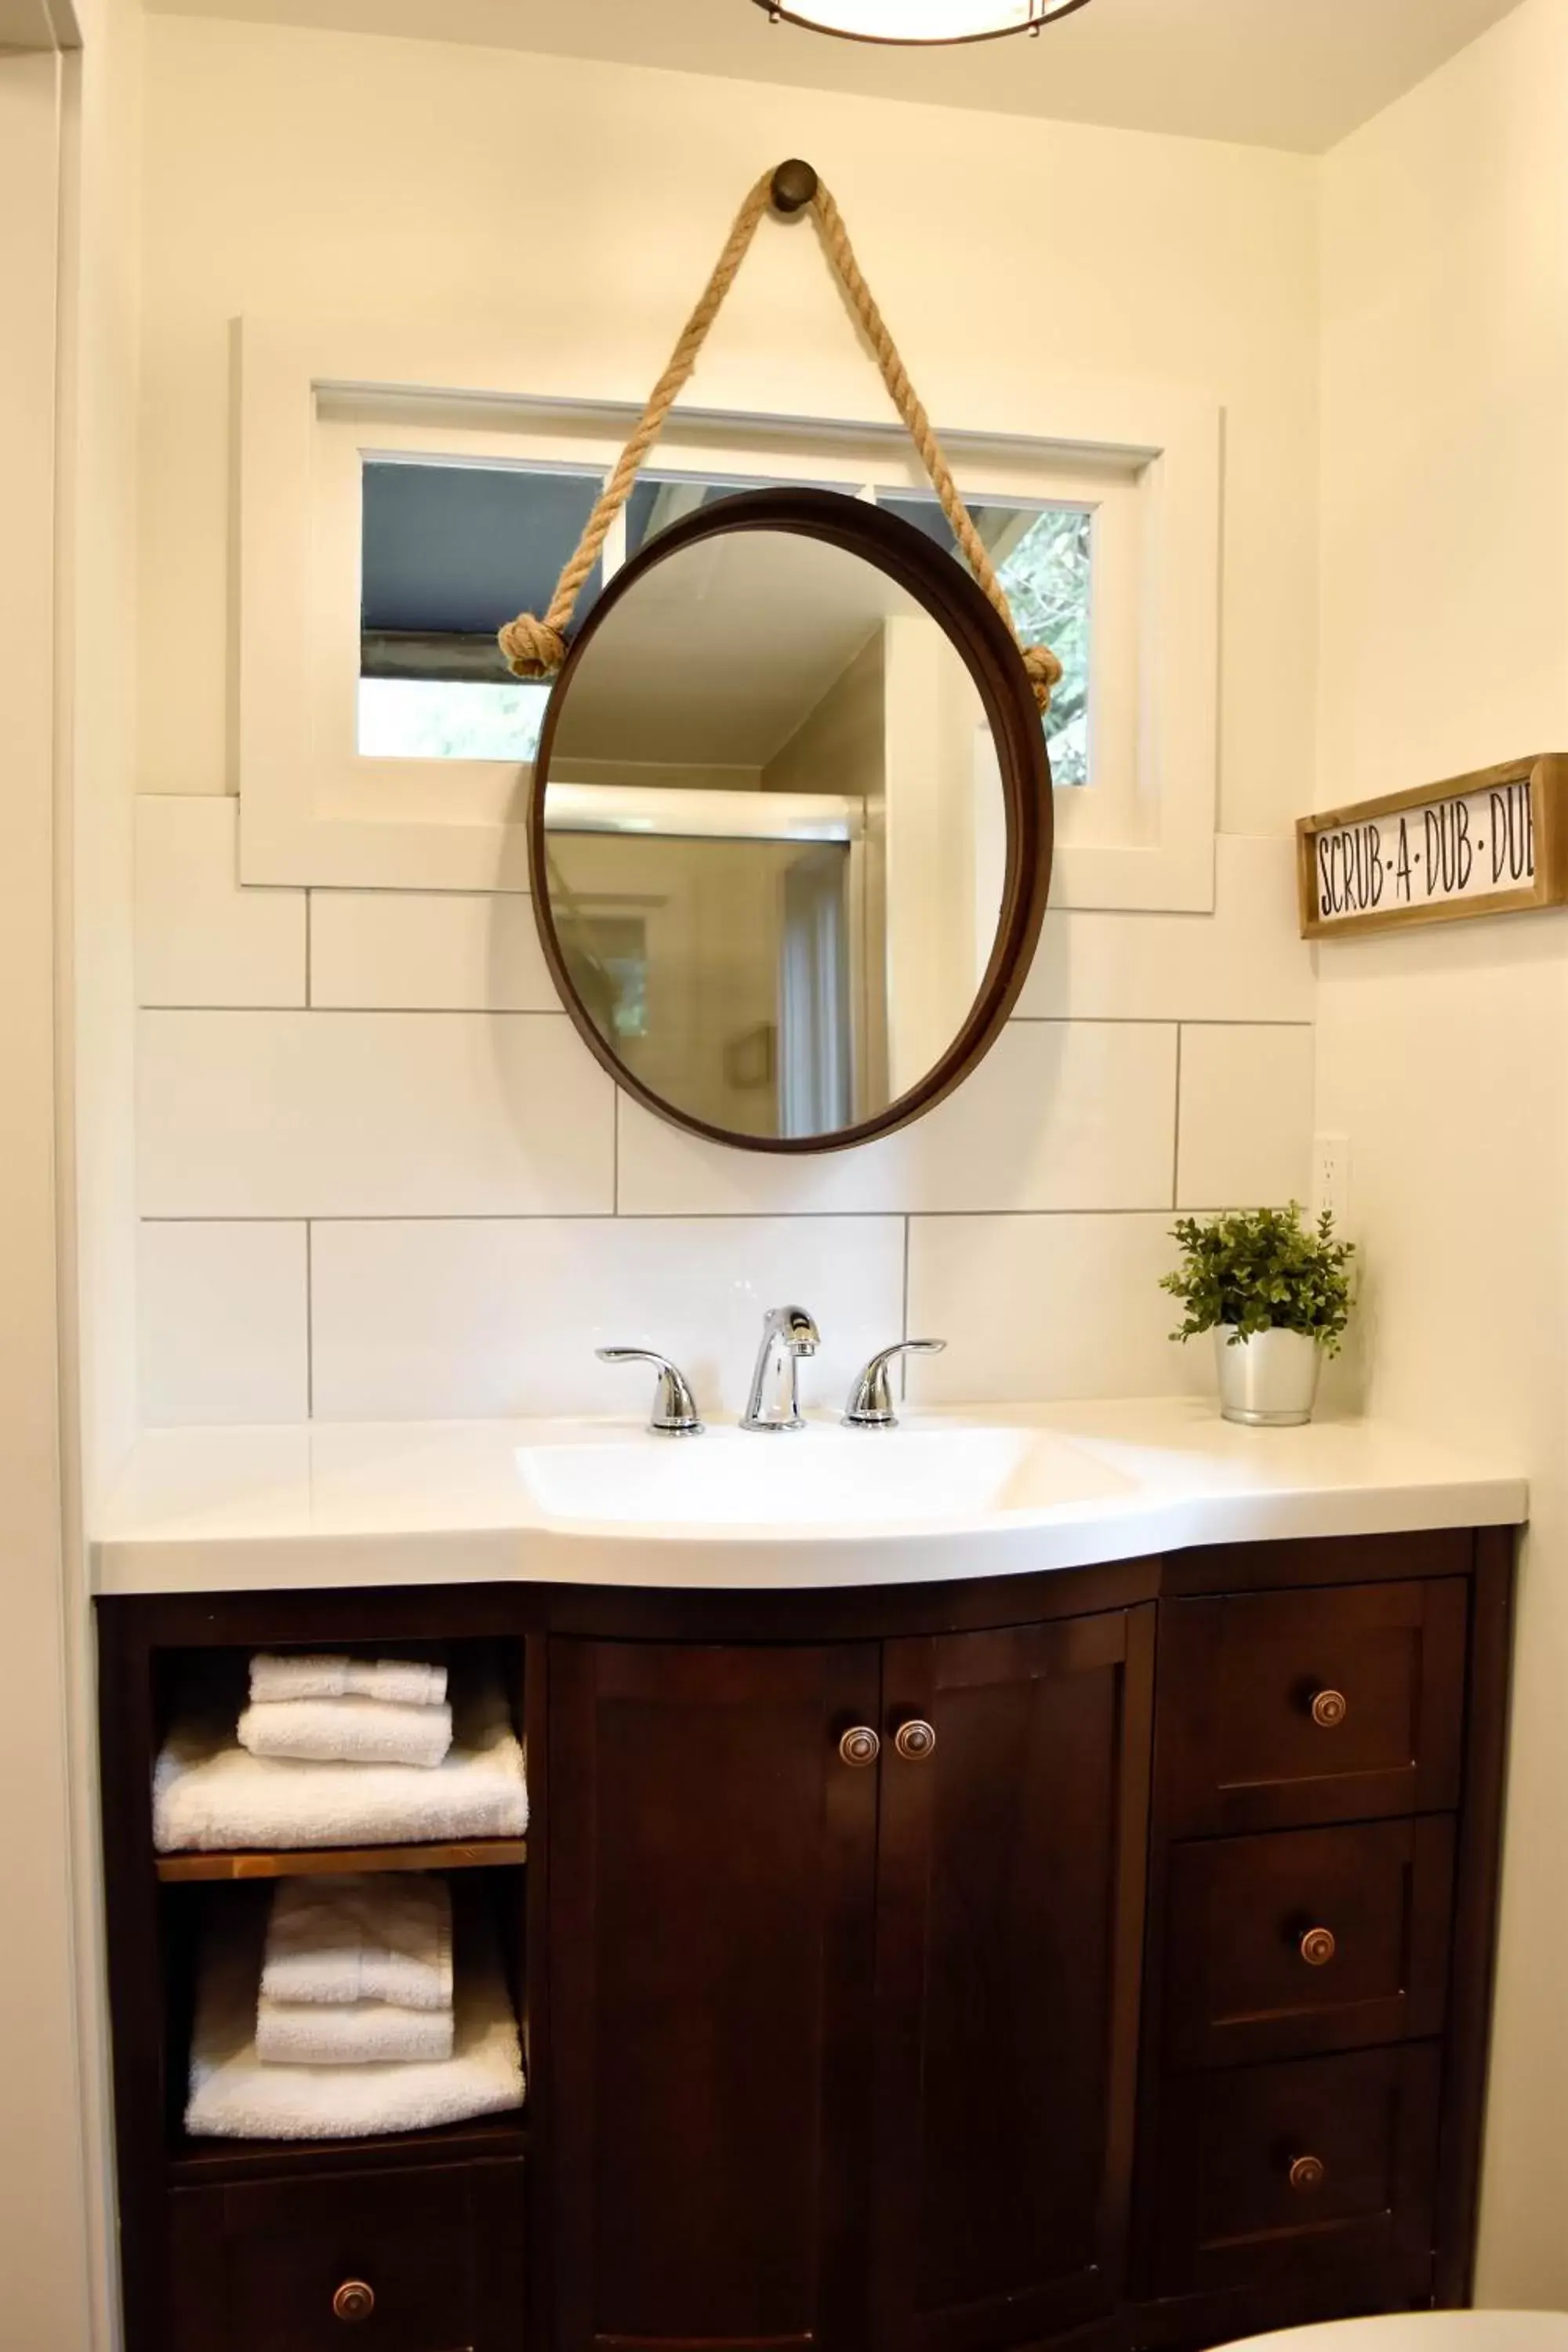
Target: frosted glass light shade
914,22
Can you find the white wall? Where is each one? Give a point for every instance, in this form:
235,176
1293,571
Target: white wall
351,1183
95,1028
1443,1054
44,2257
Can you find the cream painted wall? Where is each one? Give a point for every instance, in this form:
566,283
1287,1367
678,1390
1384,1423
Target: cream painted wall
95,726
293,172
1443,1054
43,2244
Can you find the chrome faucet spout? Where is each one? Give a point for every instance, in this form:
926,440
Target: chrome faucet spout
788,1334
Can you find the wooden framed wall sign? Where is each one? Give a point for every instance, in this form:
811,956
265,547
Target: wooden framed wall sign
1493,843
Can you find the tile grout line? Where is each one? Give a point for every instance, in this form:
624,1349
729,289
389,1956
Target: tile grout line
310,1323
558,1012
608,1216
309,994
1177,1128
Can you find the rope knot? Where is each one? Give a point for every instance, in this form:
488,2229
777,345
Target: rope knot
1045,672
533,648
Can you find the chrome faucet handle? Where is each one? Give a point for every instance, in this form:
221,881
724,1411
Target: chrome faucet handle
870,1404
675,1412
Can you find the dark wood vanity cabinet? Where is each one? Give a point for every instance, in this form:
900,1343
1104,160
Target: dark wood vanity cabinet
1098,1958
811,2005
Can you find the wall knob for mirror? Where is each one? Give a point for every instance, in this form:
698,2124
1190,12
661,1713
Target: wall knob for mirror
353,2301
860,1745
915,1740
1308,2172
1317,1947
1329,1708
794,186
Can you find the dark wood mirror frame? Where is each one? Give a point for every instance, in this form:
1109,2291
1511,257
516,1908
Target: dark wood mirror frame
931,576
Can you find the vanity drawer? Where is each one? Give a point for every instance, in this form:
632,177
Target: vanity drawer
1307,1940
1283,1709
381,2262
1266,2171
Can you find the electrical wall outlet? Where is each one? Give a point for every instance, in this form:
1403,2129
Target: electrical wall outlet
1331,1178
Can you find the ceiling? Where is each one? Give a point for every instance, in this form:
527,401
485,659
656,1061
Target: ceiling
1279,73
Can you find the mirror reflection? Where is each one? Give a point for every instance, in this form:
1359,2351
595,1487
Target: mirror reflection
776,834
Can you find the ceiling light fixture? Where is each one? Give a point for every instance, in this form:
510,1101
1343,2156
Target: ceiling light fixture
917,24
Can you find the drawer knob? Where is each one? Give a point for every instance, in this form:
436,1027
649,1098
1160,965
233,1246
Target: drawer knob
1329,1708
353,2301
1307,2172
1317,1947
915,1740
860,1745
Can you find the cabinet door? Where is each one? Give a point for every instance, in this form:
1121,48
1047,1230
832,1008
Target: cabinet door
1010,1916
711,1864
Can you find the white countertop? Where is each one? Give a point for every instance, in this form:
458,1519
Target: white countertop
326,1503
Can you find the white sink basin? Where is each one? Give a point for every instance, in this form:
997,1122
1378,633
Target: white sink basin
819,1479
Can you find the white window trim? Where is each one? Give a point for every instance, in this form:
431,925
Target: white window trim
313,812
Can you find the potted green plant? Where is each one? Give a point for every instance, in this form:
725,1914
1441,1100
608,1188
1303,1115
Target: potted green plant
1275,1290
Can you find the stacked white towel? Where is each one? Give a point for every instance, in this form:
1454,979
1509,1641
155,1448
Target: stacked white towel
342,1710
402,1682
334,1941
210,1794
235,2092
356,1970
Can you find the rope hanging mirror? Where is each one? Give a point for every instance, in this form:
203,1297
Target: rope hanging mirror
790,820
535,647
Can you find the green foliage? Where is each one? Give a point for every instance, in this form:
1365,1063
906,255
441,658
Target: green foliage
1046,578
1263,1270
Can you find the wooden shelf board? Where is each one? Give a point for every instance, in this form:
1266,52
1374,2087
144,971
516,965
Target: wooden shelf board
315,1862
208,2163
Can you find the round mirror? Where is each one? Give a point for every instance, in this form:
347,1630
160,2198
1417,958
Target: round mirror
790,832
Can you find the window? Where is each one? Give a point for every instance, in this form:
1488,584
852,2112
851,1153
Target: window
388,527
450,552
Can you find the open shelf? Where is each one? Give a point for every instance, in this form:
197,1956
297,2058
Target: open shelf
322,1860
209,2163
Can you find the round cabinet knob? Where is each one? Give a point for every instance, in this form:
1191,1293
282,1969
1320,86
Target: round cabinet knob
915,1740
353,2301
1329,1708
860,1745
1307,2172
1317,1947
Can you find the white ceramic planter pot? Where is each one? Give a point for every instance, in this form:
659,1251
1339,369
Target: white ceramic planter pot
1269,1381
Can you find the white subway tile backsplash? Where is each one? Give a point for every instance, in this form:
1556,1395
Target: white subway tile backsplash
439,950
200,938
371,1114
1060,1115
1245,962
451,1319
222,1323
1245,1116
1036,1307
463,1155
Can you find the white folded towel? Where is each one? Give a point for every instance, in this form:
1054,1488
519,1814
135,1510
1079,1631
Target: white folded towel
347,1731
402,1682
362,2033
210,1796
234,2094
335,1941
